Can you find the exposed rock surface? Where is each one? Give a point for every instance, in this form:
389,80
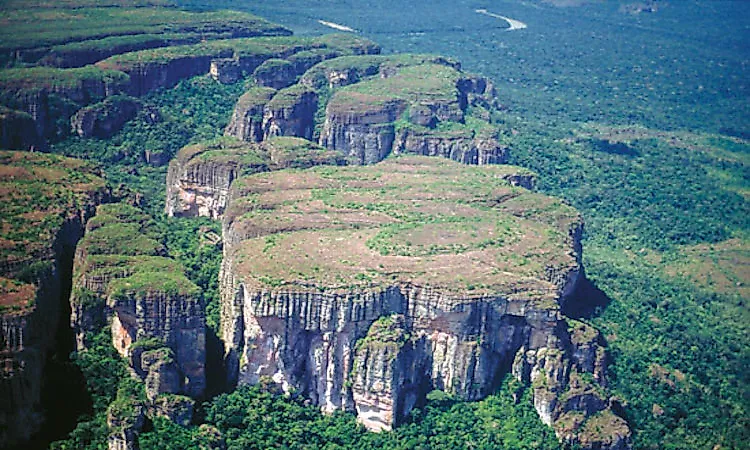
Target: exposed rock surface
416,105
38,238
461,146
177,408
104,119
200,176
52,95
364,289
157,316
361,128
125,419
276,73
247,119
291,112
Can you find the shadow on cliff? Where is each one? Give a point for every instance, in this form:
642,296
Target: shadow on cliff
64,397
586,302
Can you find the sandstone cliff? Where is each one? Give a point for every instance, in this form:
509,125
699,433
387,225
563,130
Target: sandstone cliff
247,119
38,239
413,105
104,119
52,95
363,289
200,176
291,112
121,279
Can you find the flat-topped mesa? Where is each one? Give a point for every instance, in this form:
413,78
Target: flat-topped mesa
474,268
200,176
121,275
416,105
45,201
99,32
346,70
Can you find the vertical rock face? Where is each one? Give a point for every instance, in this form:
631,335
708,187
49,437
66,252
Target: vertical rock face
157,316
458,146
53,95
125,419
276,74
246,123
291,112
199,178
56,94
38,241
104,119
337,284
415,106
225,70
362,130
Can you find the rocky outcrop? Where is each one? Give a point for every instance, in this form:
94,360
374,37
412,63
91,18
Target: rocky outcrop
225,70
291,112
567,374
177,408
199,178
156,313
361,129
351,287
106,118
51,96
247,119
38,242
459,146
276,74
346,70
397,113
387,377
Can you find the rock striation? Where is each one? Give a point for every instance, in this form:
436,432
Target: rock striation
38,238
50,94
291,112
200,176
122,280
246,123
413,105
364,288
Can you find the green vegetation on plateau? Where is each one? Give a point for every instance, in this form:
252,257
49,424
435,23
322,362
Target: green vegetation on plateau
248,158
37,193
420,220
666,212
37,29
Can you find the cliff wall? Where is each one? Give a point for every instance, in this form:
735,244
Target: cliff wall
413,105
53,95
199,178
352,287
121,279
35,258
